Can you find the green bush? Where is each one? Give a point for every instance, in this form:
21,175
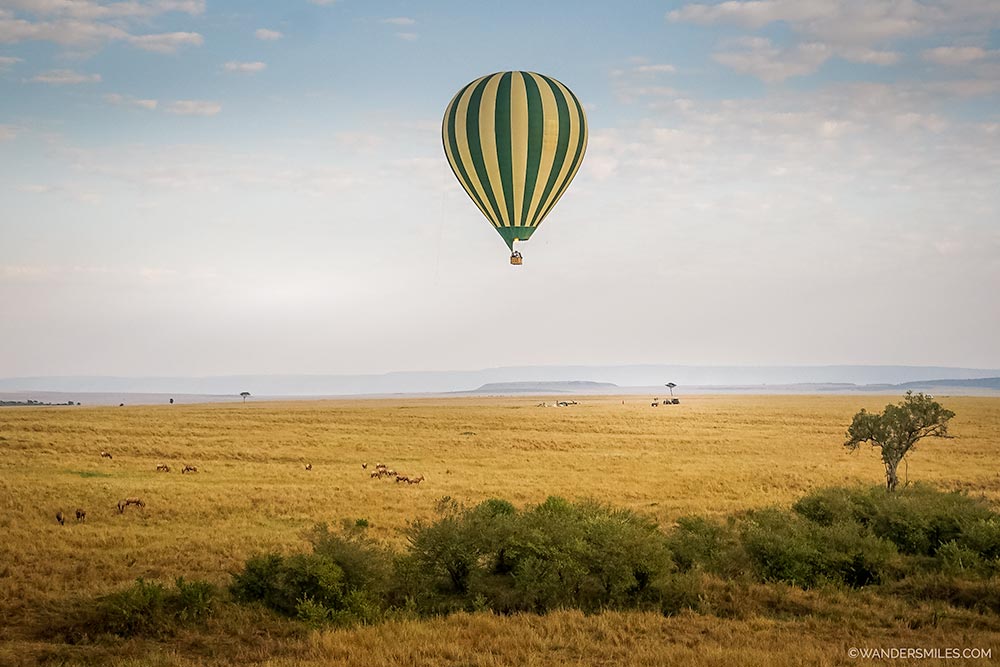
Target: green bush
983,537
281,583
784,547
828,506
918,519
556,554
366,564
706,544
151,609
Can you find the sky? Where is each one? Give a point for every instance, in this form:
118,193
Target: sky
205,187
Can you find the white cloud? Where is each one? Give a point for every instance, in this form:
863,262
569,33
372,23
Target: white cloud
655,69
407,36
759,57
266,35
167,42
93,9
849,22
7,133
399,20
955,55
65,77
129,101
194,108
870,56
859,31
6,62
91,24
245,68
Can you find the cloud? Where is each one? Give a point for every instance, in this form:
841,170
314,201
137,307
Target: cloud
59,77
245,68
266,35
92,24
655,69
407,36
129,101
849,22
870,56
759,57
93,9
399,20
858,31
167,42
194,108
956,55
6,62
7,133
322,3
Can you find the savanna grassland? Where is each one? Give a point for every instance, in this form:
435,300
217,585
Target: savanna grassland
711,455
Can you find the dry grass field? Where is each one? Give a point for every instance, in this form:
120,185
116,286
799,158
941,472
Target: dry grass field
710,455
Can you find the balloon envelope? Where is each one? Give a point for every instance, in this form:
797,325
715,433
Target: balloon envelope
515,140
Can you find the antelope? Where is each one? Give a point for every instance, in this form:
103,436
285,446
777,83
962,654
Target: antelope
188,469
364,466
122,504
60,518
106,455
402,478
416,480
81,515
309,466
162,467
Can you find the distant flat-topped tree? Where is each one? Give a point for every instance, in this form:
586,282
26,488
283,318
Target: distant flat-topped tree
898,429
245,395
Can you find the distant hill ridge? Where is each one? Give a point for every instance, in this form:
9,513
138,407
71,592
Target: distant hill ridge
979,383
638,375
559,387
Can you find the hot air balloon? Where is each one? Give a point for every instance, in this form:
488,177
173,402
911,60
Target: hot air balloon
515,140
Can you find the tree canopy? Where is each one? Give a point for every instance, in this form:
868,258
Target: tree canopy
898,429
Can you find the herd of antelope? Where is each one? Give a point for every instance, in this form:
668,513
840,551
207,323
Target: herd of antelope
384,471
124,503
381,471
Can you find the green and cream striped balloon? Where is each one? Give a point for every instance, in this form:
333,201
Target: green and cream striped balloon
515,140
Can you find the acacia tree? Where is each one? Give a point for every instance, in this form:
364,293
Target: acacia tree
898,429
245,394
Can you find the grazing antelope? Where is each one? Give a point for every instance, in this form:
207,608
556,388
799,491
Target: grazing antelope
106,455
364,466
122,504
309,466
188,469
416,480
163,467
60,518
655,404
81,515
402,478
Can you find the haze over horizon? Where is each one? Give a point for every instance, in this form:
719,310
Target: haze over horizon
213,187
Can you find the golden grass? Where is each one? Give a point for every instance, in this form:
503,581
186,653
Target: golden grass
709,455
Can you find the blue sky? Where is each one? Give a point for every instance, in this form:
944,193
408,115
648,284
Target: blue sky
205,187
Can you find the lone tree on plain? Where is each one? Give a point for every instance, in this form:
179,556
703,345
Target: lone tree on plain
245,395
898,429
